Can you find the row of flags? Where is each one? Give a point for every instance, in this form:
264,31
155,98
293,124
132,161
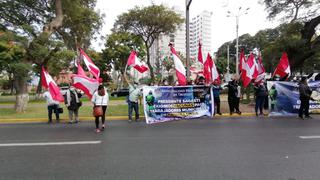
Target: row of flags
80,80
250,69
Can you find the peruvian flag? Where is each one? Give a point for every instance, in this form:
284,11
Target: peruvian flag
200,54
215,73
254,68
207,69
84,83
246,76
260,69
134,61
180,69
48,82
94,70
283,68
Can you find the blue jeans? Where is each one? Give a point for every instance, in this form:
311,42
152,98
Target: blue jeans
135,106
51,109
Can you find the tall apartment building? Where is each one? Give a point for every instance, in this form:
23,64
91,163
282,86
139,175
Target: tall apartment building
200,30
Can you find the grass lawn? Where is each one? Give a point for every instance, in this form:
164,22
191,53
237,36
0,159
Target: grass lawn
40,111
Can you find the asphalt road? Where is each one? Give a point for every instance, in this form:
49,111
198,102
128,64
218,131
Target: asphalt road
239,148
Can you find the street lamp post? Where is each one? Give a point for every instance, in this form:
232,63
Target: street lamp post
237,33
188,2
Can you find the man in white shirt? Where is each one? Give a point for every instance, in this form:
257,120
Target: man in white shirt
52,106
134,93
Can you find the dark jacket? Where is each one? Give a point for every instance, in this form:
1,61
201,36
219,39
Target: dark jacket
304,91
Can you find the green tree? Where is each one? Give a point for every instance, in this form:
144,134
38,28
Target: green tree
118,48
50,26
148,23
305,13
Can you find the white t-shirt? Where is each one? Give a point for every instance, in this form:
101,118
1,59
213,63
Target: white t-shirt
100,100
47,96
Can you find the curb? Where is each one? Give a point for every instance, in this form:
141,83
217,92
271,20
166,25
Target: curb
90,118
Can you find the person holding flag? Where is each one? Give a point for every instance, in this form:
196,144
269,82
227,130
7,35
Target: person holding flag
52,106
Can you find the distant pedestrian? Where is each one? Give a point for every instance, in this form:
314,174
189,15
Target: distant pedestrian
134,93
305,95
216,95
73,103
100,98
52,106
260,93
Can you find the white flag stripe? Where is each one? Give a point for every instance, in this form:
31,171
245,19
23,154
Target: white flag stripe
50,143
178,65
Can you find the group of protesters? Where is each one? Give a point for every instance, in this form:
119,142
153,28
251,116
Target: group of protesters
101,98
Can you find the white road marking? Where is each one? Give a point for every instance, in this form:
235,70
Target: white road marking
309,137
50,143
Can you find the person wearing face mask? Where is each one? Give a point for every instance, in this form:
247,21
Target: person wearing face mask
73,104
134,93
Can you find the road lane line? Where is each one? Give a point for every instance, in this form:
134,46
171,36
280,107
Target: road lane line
309,137
50,143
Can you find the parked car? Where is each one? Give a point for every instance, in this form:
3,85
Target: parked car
120,92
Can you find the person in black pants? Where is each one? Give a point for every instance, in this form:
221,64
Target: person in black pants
52,106
305,94
232,96
216,95
260,93
100,98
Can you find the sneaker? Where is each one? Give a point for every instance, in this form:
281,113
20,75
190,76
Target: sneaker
239,112
97,130
76,121
308,117
129,120
301,117
103,127
219,113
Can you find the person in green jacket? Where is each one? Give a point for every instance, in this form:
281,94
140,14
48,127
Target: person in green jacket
273,93
150,102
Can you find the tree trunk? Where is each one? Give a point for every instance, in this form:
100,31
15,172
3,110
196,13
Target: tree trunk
148,62
22,96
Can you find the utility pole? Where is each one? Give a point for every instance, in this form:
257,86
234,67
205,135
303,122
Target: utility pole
188,2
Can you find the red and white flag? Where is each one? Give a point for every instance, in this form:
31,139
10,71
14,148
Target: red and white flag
215,73
134,61
94,70
254,68
207,67
84,83
283,68
180,69
48,82
261,70
200,59
246,76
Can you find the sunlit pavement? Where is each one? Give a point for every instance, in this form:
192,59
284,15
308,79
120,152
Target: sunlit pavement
222,148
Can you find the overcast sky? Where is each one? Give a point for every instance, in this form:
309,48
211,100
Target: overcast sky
223,27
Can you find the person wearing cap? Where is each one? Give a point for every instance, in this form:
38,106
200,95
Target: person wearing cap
305,95
134,93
